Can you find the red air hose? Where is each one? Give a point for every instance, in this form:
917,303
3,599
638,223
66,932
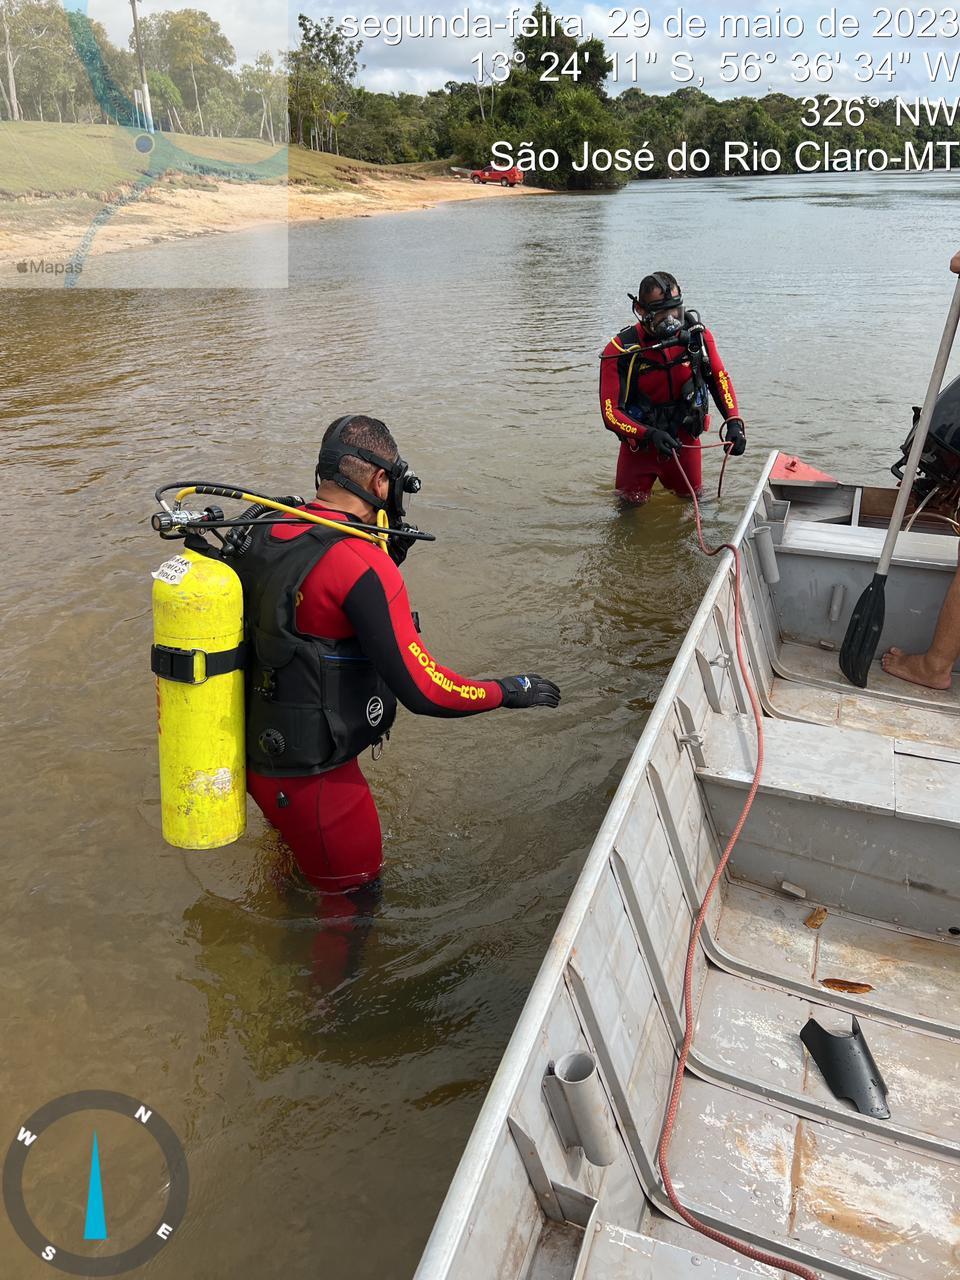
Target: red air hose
723,466
663,1148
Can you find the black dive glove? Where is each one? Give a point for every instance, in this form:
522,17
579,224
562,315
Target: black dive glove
662,441
529,691
398,545
732,433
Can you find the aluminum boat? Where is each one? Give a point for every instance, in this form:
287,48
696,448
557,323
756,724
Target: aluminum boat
840,906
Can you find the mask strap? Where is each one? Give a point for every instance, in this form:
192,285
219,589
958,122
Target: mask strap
336,445
334,439
367,495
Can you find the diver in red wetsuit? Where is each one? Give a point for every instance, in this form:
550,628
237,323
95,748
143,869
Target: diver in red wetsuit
654,380
332,646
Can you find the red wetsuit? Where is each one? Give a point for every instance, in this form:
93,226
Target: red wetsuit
329,819
627,376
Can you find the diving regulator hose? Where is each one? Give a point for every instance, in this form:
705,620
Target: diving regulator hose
666,1134
174,518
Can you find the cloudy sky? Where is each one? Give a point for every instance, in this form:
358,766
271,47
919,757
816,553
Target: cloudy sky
414,64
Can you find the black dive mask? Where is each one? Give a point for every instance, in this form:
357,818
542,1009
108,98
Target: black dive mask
663,319
402,479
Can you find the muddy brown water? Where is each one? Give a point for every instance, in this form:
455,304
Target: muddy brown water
323,1073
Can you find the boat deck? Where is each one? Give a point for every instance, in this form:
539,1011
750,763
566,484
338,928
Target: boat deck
766,1144
813,690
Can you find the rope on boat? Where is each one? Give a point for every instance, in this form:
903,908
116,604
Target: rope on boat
663,1147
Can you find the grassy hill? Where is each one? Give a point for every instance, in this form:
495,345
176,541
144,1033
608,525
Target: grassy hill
94,160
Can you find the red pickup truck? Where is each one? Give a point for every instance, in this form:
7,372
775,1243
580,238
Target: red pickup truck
489,173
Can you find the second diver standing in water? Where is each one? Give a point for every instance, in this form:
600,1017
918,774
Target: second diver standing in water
655,376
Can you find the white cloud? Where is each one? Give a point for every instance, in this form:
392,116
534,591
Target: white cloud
250,25
416,65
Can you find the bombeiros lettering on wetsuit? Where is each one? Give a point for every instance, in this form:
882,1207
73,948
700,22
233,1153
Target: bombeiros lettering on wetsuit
357,593
473,692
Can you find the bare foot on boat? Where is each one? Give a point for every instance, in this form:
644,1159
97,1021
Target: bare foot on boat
916,668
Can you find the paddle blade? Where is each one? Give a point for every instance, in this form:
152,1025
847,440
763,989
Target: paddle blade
863,633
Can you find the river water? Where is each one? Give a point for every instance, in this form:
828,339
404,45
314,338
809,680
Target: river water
322,1072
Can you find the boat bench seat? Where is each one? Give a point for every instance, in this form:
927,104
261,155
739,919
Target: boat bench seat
832,764
862,543
849,816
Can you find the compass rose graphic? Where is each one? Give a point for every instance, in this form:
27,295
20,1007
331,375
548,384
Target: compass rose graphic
42,1132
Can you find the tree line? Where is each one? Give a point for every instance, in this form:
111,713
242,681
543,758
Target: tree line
56,65
60,65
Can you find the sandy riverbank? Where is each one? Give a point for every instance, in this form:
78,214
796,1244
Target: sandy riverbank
54,228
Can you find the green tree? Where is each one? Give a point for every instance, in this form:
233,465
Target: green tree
49,67
336,120
577,117
321,73
266,81
107,78
562,112
185,43
166,97
23,28
548,51
224,110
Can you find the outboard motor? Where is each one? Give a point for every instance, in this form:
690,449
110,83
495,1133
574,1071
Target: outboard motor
939,466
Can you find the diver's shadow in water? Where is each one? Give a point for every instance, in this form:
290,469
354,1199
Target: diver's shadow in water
275,966
344,922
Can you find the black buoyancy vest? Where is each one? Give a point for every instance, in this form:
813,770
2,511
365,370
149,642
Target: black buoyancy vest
312,703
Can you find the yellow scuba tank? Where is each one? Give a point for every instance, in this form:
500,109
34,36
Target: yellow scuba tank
197,657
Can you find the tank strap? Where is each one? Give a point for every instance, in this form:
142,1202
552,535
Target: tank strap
180,665
270,598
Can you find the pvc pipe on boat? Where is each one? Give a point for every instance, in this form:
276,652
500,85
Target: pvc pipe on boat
836,602
580,1083
763,541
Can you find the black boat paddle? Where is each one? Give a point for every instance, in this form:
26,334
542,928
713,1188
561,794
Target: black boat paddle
863,631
